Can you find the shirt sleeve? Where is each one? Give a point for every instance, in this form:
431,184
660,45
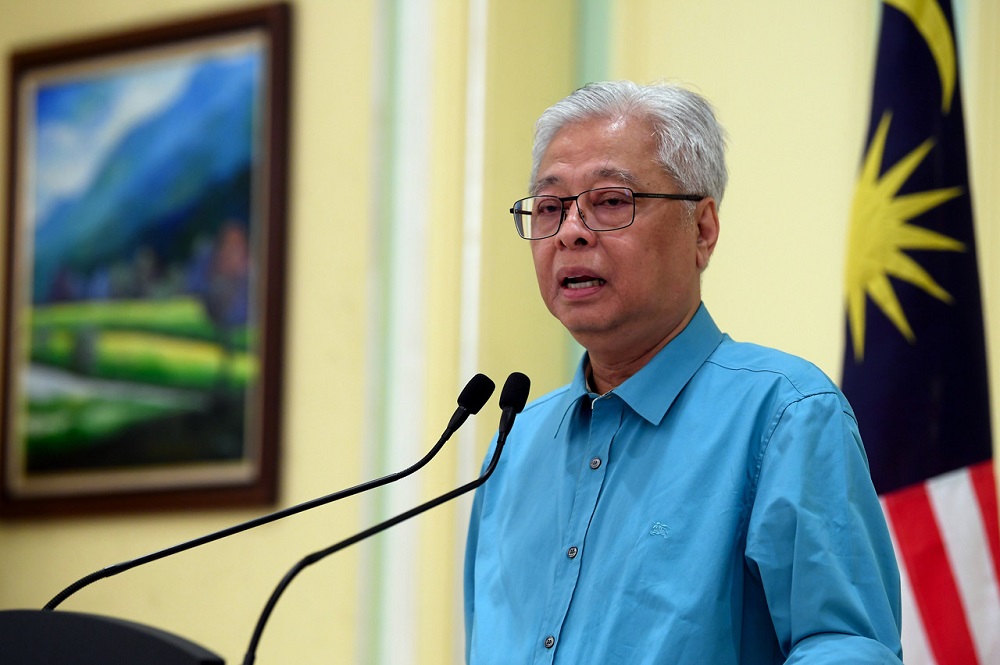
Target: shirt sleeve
471,552
469,579
818,543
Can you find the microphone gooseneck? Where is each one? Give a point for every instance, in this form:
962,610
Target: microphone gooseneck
472,398
512,400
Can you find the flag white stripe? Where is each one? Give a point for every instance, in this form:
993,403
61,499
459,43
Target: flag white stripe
916,649
956,508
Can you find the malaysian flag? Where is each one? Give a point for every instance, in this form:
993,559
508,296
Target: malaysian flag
915,361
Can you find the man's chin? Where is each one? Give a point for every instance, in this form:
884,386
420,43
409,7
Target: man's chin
587,329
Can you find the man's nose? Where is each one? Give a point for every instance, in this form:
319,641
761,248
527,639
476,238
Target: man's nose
573,228
573,214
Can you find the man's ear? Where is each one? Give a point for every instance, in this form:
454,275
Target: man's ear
706,217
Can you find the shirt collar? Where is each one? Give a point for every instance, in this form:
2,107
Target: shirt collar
651,390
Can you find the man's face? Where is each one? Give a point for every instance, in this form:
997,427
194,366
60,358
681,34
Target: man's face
624,291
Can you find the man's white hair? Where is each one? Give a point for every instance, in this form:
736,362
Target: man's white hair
692,143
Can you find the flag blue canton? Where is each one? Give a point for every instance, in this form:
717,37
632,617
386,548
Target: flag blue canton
922,400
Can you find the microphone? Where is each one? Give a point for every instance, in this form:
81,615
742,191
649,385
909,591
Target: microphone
513,397
512,400
472,398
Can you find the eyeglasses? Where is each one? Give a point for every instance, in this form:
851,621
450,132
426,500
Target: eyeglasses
601,209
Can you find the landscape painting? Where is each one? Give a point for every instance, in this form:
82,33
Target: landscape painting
144,269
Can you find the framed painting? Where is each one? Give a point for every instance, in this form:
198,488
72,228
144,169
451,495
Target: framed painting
144,268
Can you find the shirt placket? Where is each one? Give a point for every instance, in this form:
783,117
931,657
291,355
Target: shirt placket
605,420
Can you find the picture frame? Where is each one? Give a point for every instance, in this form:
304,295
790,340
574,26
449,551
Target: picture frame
144,266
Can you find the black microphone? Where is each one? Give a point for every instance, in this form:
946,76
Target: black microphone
472,398
513,397
512,400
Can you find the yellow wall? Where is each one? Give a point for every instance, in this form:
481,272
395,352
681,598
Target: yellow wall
213,595
791,80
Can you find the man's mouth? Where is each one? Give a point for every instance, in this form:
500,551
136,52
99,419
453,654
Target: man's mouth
582,282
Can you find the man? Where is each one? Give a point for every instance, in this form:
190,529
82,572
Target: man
687,498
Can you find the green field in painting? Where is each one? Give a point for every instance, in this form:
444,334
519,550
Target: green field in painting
153,372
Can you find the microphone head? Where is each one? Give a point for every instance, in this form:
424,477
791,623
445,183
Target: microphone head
476,392
514,395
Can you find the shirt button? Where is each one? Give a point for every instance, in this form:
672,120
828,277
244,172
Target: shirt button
550,642
595,463
572,552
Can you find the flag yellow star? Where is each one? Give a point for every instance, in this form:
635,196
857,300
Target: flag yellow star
880,231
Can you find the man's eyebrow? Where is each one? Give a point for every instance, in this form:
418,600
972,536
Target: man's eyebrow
624,176
544,182
627,178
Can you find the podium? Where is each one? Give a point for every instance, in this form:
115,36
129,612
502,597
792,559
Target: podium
46,637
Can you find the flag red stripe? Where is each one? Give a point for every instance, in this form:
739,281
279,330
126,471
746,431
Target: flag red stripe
984,484
934,588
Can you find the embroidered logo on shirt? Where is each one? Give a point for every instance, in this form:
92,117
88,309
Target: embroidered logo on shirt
660,529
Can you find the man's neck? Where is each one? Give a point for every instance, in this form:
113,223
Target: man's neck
606,376
609,367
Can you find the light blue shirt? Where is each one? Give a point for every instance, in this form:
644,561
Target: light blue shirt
715,508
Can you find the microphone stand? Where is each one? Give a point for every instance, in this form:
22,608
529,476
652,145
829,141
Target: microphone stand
472,399
310,559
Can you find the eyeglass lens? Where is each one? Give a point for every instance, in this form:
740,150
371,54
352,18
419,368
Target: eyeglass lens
603,209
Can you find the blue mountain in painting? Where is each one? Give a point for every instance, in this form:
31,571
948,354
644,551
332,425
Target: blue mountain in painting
173,178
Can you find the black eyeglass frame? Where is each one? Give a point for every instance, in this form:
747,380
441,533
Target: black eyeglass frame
567,199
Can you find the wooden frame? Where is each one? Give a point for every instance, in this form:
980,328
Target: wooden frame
143,295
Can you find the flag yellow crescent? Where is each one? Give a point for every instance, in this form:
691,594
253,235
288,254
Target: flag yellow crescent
933,27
